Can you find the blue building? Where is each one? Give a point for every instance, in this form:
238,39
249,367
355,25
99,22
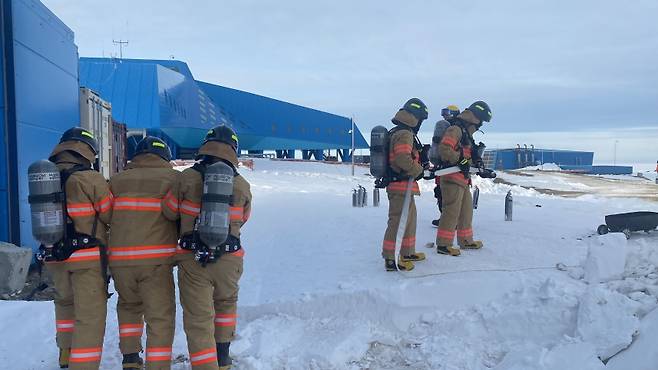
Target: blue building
163,98
519,157
38,102
40,76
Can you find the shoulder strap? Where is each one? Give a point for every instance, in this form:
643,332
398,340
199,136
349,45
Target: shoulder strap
201,168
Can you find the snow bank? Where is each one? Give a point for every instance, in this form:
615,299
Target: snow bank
544,167
643,354
314,293
606,258
576,356
607,320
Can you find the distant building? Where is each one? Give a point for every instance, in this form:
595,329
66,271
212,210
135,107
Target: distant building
568,160
162,98
519,157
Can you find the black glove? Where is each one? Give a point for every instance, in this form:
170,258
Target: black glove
464,165
487,173
425,155
437,192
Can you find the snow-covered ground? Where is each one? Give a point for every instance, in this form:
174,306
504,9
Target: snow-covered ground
314,294
571,184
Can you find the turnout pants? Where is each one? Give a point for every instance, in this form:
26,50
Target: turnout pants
80,312
457,214
146,294
395,204
209,296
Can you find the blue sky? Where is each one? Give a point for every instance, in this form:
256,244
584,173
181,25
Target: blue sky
573,74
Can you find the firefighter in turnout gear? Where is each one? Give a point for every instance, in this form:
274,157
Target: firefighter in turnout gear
456,149
448,113
77,264
142,249
209,285
404,163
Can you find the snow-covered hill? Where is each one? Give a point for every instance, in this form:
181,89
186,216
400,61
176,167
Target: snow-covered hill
314,294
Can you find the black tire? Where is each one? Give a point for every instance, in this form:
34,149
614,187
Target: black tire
602,229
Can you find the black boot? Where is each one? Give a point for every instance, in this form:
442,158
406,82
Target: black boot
132,361
64,354
223,358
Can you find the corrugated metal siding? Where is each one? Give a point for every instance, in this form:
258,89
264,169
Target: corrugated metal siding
160,96
612,170
268,124
510,159
46,91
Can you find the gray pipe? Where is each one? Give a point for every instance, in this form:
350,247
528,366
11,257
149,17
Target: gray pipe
508,206
375,197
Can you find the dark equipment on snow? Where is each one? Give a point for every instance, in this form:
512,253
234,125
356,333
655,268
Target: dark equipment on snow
213,226
378,149
359,197
46,203
375,197
476,197
629,222
508,206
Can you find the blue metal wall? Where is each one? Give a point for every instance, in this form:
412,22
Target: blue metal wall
510,159
611,170
6,41
269,124
45,95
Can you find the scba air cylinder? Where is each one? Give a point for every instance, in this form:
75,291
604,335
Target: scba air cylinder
378,143
214,219
46,202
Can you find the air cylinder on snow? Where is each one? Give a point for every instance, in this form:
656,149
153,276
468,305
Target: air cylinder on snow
508,206
378,159
375,197
46,202
214,219
476,197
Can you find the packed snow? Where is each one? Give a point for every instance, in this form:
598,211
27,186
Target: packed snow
545,292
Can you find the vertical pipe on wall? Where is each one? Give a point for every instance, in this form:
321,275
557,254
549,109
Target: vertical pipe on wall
13,221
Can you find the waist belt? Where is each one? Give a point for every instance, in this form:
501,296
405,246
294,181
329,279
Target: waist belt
62,250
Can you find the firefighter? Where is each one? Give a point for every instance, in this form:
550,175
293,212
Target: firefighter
209,287
404,163
142,249
455,149
79,266
448,113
